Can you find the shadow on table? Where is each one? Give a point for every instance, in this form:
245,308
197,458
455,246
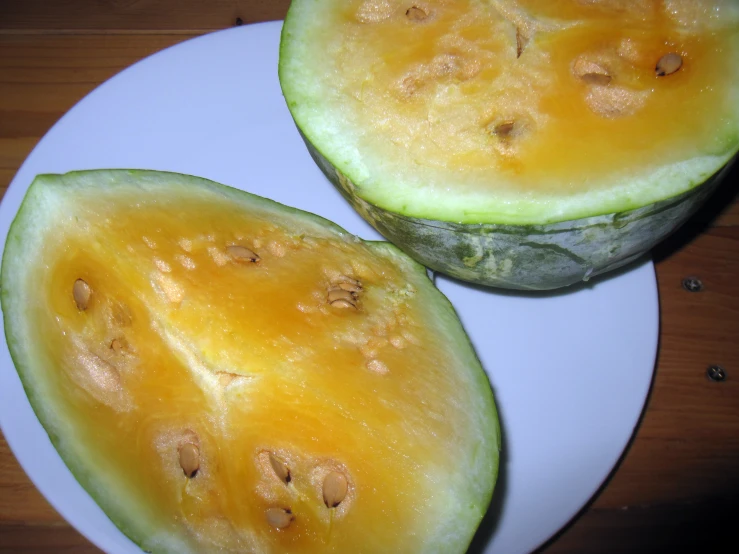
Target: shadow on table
717,203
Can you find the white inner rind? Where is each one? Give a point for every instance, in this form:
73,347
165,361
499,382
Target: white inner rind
389,165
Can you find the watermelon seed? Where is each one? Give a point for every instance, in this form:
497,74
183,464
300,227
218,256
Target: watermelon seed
335,488
341,298
189,459
668,64
520,42
241,253
351,286
81,292
279,517
600,79
591,72
343,304
504,128
280,468
414,13
348,284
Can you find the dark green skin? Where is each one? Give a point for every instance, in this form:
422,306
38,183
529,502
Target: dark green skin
527,257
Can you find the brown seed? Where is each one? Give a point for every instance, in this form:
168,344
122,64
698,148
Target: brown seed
520,43
335,488
668,64
504,128
280,468
189,459
414,13
591,72
600,79
81,292
279,517
115,345
241,253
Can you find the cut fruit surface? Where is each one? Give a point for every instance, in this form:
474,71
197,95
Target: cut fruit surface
410,109
517,143
222,372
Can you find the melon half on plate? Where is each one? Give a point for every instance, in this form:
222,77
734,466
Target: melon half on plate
223,373
517,143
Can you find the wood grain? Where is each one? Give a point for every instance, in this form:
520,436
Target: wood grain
677,485
126,16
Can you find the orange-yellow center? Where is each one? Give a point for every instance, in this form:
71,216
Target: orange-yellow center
180,343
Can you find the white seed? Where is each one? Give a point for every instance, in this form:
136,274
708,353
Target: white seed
241,253
351,287
340,294
189,459
378,367
343,304
345,279
668,64
279,518
398,342
335,488
81,292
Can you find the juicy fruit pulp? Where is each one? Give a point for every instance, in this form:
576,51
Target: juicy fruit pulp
498,106
222,372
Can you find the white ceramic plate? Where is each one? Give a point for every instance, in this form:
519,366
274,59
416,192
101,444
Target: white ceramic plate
571,371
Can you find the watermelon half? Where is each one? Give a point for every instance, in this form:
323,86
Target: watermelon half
223,373
525,144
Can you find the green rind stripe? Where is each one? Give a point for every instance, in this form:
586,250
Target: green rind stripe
527,257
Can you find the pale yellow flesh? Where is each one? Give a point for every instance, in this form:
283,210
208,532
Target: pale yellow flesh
245,359
429,94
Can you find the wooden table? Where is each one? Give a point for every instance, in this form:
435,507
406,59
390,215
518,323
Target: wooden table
678,483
